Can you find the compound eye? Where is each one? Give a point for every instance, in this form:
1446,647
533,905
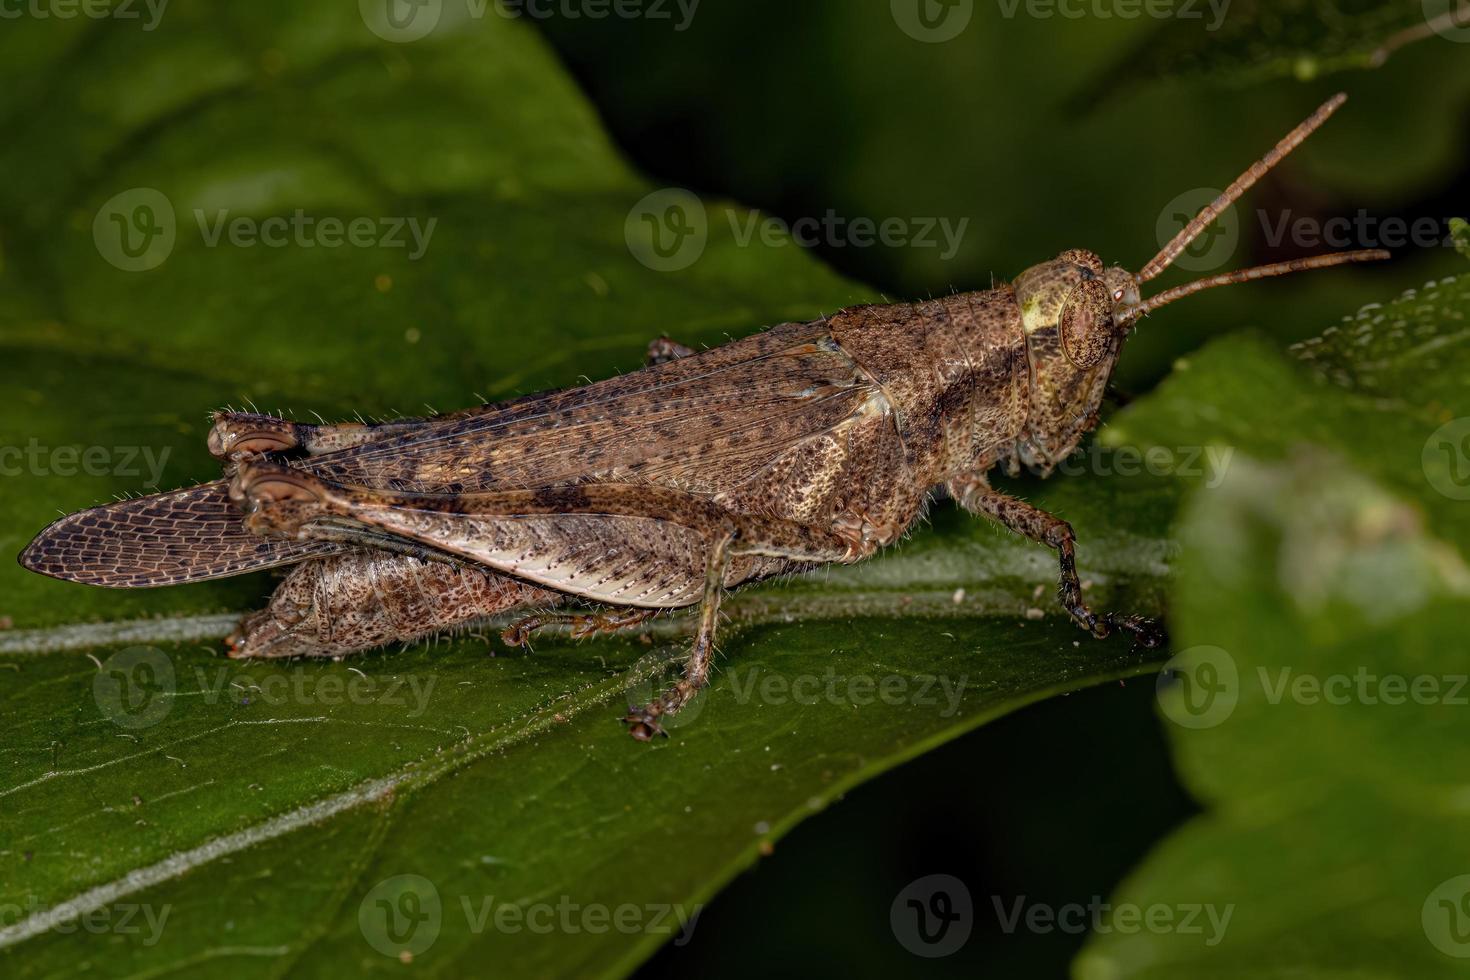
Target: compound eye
1084,327
1117,296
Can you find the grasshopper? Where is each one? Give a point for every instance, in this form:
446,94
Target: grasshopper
799,446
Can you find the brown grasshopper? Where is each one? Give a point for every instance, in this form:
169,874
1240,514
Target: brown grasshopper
805,444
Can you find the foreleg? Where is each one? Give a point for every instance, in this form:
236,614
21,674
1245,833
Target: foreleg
976,495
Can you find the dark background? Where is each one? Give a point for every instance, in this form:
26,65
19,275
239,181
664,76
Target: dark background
1022,126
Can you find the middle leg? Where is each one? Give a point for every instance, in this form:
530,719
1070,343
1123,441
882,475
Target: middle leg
564,535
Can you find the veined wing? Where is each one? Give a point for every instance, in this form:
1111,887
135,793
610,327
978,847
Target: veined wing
188,535
703,423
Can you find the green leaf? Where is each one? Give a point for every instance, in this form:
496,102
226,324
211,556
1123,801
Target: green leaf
254,811
1317,704
1250,41
1460,232
1319,622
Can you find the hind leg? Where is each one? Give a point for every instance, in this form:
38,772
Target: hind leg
333,606
582,625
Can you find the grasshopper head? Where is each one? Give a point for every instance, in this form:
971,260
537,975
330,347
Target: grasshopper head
1075,314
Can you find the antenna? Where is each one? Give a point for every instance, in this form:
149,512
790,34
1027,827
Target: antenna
1246,275
1243,183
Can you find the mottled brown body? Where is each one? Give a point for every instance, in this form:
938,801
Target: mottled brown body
806,444
365,598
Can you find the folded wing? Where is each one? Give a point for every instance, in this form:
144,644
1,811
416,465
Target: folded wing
703,423
188,535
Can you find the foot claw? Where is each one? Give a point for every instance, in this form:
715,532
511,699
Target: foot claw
518,634
1147,634
643,722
